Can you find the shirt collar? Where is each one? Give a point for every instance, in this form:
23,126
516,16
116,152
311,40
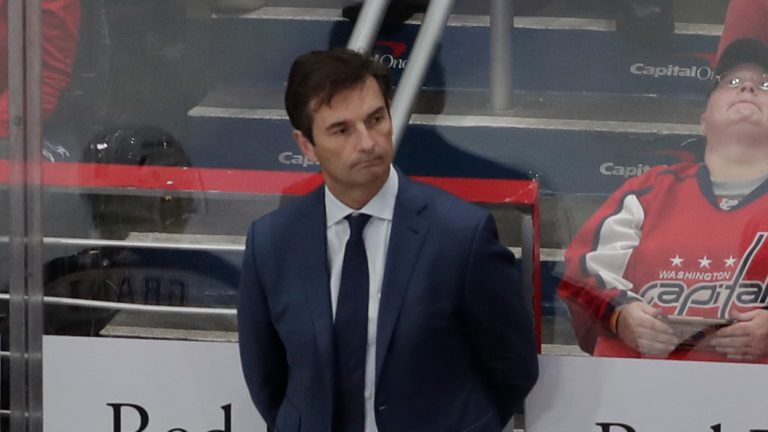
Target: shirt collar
381,206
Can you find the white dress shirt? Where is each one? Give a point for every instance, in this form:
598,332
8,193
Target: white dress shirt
376,238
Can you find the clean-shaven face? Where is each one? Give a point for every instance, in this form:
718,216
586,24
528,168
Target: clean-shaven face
352,140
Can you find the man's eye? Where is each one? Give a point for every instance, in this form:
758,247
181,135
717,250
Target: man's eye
340,131
734,81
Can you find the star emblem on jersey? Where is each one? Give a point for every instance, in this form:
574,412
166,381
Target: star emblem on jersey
677,261
704,262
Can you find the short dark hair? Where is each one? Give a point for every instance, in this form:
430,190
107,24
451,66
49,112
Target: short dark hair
318,76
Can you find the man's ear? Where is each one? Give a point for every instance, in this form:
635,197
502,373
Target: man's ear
305,145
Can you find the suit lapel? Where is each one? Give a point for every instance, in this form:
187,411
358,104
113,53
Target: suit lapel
311,235
405,240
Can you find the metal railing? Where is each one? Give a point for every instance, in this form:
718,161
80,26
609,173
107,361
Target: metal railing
100,304
368,25
25,207
430,32
502,25
548,254
501,84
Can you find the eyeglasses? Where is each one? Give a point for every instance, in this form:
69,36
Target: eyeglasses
734,81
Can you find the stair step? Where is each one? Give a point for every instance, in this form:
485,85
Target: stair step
584,144
531,109
567,55
711,12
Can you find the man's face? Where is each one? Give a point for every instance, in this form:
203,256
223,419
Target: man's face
353,140
739,109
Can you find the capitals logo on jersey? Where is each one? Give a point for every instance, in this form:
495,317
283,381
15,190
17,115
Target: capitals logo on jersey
736,283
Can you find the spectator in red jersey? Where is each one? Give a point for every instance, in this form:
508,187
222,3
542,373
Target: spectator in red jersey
676,261
61,24
744,19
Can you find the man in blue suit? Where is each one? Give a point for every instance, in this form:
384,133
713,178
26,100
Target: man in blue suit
376,303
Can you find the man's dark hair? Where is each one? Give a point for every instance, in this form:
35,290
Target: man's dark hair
318,76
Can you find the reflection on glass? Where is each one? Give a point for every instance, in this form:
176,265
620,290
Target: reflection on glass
120,224
675,262
117,215
60,34
142,275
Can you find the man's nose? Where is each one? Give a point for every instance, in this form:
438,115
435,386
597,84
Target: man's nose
367,141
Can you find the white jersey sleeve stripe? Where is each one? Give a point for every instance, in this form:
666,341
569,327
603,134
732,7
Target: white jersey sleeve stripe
618,238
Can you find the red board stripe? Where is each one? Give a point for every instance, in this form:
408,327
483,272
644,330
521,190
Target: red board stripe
85,175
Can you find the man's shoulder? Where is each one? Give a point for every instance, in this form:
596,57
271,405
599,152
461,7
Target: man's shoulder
289,213
444,204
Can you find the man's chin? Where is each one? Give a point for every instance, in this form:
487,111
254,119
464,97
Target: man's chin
375,173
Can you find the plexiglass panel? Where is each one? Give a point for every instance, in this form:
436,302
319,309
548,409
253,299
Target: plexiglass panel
164,135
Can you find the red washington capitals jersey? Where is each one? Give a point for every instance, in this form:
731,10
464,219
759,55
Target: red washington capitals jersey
662,238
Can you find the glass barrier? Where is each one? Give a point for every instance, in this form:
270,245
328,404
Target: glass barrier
165,134
5,232
125,196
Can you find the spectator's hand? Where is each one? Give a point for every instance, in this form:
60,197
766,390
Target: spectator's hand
639,328
747,339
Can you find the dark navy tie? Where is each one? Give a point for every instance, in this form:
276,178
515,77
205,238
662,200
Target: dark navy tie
351,331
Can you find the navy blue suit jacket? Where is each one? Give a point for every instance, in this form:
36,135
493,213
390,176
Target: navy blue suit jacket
455,348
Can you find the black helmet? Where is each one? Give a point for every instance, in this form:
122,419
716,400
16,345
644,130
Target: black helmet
117,215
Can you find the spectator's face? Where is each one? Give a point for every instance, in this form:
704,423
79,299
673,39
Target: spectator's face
738,109
353,140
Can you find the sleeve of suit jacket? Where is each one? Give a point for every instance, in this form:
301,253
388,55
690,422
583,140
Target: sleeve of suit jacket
262,354
499,321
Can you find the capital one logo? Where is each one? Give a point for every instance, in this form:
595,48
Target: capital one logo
702,73
391,54
290,158
613,168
